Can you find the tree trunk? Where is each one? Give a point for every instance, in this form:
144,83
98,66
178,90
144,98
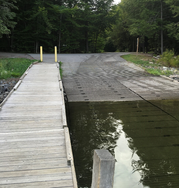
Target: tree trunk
12,41
133,46
96,42
86,41
146,44
59,35
143,46
36,47
59,42
161,27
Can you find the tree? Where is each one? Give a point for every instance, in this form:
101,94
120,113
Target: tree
173,26
6,16
120,35
144,19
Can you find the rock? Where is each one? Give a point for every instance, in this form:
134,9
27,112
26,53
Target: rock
176,78
6,86
151,63
165,68
1,89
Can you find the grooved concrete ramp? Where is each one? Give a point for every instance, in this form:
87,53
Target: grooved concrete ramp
108,77
32,139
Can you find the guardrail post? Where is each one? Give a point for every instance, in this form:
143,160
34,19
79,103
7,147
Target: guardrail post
55,54
41,53
103,169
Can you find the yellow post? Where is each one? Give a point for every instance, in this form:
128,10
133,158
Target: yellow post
41,53
55,54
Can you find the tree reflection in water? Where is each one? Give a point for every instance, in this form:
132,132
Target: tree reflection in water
143,138
91,129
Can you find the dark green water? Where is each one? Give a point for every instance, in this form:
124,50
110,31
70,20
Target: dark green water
143,137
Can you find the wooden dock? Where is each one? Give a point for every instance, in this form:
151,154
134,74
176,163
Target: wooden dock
34,140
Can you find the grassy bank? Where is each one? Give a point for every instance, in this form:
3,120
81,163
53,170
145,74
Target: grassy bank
148,63
61,70
13,67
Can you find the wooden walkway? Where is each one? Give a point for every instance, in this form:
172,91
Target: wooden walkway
34,144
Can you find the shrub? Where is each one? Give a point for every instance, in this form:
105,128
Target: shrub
168,59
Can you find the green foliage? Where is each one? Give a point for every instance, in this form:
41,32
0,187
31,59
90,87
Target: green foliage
88,26
158,72
120,35
166,57
172,26
155,72
143,19
137,59
61,70
6,16
109,46
143,62
73,26
13,67
169,59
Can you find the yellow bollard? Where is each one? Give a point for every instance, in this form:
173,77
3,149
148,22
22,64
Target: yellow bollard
55,54
41,53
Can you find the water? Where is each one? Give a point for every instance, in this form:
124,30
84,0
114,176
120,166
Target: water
143,137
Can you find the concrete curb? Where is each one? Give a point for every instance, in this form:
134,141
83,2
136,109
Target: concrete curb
17,85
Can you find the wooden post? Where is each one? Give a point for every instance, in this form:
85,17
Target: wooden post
103,169
55,54
41,53
137,45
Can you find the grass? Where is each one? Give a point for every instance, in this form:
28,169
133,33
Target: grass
13,67
153,67
61,70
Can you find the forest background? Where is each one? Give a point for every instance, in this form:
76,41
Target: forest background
89,26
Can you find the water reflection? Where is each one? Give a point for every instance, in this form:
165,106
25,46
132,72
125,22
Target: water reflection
128,168
143,138
90,130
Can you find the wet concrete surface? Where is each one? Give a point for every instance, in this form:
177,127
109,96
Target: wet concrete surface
108,77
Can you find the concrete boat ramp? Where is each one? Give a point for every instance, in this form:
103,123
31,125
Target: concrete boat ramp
34,138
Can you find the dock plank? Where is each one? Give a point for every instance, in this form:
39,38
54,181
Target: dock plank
32,138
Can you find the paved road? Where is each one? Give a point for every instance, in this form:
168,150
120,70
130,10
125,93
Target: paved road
14,55
108,77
